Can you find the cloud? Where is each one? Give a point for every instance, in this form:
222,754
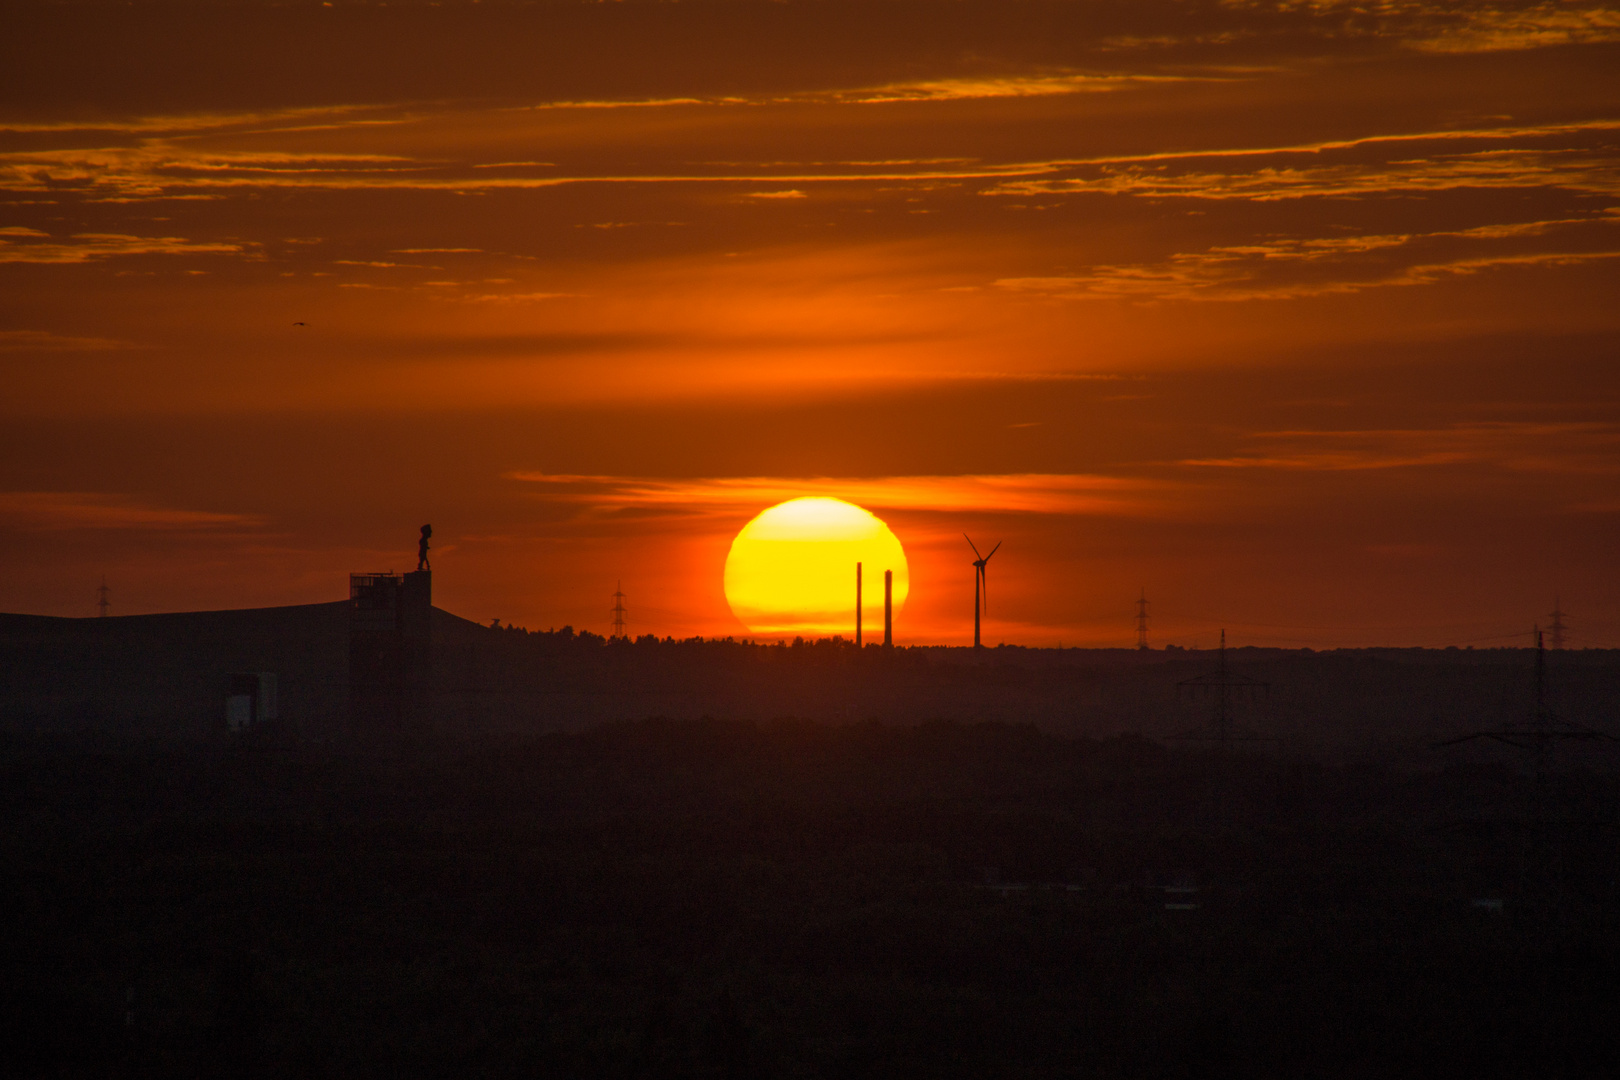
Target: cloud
515,298
164,165
1003,86
1583,448
1541,26
1290,268
66,510
1011,493
1420,25
1594,172
214,122
46,341
162,171
89,247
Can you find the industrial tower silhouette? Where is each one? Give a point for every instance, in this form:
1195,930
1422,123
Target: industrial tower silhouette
618,611
857,605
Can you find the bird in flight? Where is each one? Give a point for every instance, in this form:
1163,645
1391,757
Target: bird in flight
299,324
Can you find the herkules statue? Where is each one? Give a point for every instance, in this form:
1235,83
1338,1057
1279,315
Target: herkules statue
422,548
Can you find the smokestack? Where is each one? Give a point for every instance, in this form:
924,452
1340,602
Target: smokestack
857,605
888,609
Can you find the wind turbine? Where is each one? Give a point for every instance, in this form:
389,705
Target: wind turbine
979,585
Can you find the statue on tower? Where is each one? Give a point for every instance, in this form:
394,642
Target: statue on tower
422,548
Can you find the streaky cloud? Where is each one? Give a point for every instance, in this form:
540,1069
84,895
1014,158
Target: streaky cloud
1020,493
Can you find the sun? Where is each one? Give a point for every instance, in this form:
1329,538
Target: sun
792,569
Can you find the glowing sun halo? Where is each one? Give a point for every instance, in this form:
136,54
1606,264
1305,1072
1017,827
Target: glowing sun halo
792,569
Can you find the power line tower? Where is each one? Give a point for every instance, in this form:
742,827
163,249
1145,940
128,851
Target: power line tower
102,603
1142,621
618,611
1222,687
1539,735
1558,627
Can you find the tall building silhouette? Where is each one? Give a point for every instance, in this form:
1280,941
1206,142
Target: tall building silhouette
390,651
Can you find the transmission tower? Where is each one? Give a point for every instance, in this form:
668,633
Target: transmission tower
1557,628
1540,735
1142,621
618,611
102,603
1223,687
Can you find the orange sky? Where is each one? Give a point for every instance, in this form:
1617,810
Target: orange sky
1301,316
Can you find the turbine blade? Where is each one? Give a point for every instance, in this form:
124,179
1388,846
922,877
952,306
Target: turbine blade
984,586
969,539
994,549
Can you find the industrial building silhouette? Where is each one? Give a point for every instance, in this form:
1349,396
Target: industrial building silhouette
361,666
385,661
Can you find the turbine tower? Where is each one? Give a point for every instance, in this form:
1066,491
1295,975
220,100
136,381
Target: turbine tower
980,587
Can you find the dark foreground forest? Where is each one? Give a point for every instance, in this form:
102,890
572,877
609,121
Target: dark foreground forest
713,899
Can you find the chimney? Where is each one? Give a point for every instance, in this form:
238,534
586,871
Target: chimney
888,609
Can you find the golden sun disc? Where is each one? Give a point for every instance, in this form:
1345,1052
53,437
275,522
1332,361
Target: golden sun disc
791,570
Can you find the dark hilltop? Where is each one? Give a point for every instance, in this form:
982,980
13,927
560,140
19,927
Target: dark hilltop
370,838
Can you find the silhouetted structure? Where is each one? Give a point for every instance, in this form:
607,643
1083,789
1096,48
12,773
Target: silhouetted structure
390,651
618,611
1558,627
857,605
980,586
250,699
888,609
102,603
1223,687
1539,735
1142,620
422,548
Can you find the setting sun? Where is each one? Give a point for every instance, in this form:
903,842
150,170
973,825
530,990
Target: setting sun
791,569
